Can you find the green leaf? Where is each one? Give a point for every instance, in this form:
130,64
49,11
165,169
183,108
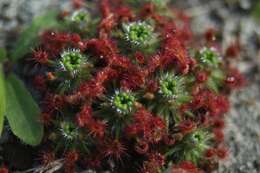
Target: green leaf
28,38
215,80
212,85
256,12
2,54
22,112
2,99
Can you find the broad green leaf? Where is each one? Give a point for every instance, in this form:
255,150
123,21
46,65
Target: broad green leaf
22,112
2,54
2,99
28,38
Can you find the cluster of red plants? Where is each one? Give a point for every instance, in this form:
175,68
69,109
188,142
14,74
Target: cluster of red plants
114,111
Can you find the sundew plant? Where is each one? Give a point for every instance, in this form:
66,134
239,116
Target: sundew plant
117,86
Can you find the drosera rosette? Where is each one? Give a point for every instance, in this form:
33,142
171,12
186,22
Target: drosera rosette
172,92
82,22
209,57
140,35
118,109
123,102
69,131
76,133
211,65
72,62
192,147
173,87
67,135
70,69
80,16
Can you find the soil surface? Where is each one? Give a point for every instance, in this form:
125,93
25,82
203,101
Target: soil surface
231,18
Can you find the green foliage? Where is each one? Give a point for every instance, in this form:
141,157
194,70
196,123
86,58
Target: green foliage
3,54
256,11
22,112
28,38
2,99
166,170
215,80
